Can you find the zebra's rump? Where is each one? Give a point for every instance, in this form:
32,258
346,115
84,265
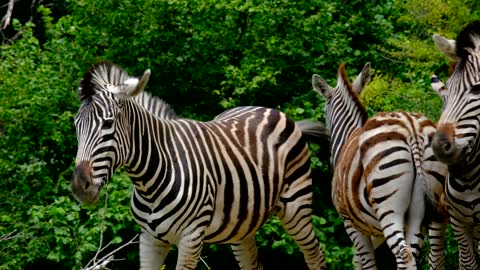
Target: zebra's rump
379,168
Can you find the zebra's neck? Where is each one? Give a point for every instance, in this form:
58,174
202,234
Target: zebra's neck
468,170
345,115
149,142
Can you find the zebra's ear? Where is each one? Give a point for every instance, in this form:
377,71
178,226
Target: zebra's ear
134,86
362,79
321,86
446,46
439,87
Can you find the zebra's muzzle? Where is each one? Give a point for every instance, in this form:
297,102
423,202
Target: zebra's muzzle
83,187
444,146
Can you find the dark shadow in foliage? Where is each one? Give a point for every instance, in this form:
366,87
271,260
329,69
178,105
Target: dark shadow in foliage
384,257
25,11
44,263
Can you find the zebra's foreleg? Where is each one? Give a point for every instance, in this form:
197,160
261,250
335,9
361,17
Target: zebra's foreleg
364,257
436,235
296,219
190,248
152,252
246,254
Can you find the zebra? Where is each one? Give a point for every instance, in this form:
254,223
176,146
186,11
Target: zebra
195,182
456,141
386,177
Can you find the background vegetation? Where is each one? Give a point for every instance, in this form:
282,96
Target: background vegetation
205,56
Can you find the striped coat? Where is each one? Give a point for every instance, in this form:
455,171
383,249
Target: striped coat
195,182
457,140
386,178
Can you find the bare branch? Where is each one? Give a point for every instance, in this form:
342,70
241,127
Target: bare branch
102,262
204,262
99,264
102,265
102,227
9,236
6,19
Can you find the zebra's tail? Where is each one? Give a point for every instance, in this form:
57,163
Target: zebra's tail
314,131
421,185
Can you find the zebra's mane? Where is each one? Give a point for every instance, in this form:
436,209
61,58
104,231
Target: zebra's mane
155,105
468,40
353,93
106,76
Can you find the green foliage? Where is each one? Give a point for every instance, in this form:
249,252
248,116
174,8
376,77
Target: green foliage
387,95
223,54
63,232
205,56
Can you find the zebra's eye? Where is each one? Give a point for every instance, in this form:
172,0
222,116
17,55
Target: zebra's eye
107,124
475,89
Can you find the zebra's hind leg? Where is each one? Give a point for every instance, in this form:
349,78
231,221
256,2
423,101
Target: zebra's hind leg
152,252
246,254
364,257
416,228
436,235
296,219
393,226
467,246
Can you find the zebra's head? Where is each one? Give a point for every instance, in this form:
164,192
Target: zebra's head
344,112
458,126
344,93
100,125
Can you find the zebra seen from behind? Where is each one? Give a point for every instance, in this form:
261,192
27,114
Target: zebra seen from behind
457,139
195,182
386,178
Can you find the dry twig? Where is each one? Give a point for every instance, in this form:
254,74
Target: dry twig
9,236
98,264
102,262
7,18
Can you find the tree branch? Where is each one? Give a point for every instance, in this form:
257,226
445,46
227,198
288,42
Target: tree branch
204,262
10,235
102,228
102,262
99,264
6,19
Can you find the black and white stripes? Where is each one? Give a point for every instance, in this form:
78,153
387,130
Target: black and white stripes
457,140
195,182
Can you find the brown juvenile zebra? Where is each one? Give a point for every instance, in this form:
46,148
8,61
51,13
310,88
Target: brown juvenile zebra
386,178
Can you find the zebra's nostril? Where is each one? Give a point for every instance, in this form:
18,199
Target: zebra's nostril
447,146
444,143
87,184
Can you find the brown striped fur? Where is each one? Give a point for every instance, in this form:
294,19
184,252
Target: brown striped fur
386,178
411,131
